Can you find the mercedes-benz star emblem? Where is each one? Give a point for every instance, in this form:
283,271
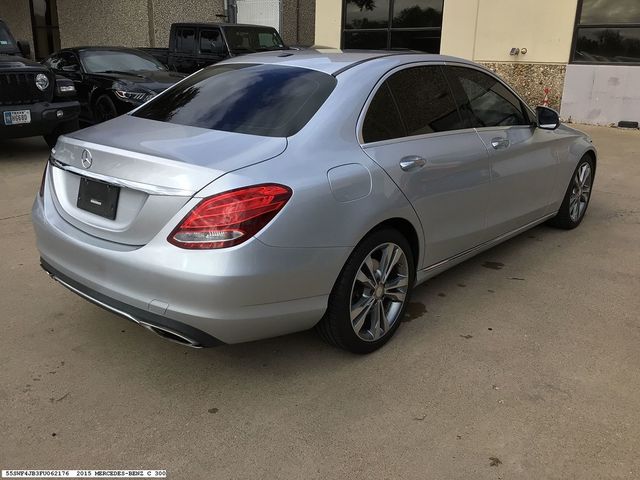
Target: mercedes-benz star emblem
86,158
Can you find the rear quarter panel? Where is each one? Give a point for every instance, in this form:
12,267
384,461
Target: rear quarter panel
316,215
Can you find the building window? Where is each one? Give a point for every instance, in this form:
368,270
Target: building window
46,34
607,32
392,24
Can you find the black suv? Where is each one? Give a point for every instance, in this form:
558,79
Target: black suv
33,100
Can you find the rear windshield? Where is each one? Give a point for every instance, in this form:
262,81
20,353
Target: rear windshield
266,100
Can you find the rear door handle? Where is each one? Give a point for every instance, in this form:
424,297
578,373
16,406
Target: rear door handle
500,143
412,162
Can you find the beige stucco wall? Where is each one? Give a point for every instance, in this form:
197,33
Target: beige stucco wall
97,22
328,23
18,16
486,30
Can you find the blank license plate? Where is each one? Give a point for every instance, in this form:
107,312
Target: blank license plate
98,198
17,117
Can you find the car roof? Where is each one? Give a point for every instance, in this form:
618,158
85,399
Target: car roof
334,62
218,24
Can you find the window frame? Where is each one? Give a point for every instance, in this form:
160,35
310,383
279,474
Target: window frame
574,41
365,108
222,40
389,29
381,81
526,109
59,54
196,40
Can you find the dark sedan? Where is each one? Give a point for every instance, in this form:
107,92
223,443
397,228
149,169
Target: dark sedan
111,81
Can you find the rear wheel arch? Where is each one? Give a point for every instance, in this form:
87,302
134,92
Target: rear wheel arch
407,229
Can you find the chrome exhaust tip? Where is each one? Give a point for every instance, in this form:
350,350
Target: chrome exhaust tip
170,335
162,331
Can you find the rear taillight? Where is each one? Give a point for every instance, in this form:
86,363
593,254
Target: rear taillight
44,177
230,218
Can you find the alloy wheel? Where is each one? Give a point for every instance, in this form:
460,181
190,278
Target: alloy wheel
379,292
580,192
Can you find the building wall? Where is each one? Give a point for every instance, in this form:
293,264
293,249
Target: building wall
485,31
601,94
18,16
531,79
328,23
298,22
144,23
96,22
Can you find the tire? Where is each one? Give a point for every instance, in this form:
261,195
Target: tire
569,216
365,293
104,109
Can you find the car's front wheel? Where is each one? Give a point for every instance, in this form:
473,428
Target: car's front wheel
371,294
104,109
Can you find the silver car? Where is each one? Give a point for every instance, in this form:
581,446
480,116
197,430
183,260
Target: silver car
276,192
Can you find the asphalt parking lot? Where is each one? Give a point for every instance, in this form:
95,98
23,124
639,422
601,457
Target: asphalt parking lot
523,362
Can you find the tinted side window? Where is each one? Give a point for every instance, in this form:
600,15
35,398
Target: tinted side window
63,59
484,100
425,101
210,41
382,121
54,62
185,39
69,59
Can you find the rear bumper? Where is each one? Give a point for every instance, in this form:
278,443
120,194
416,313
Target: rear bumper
44,119
234,295
172,329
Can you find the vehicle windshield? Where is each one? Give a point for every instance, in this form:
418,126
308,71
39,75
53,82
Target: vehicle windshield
5,37
253,39
267,100
107,61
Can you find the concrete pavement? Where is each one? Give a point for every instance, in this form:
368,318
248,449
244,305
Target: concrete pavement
523,362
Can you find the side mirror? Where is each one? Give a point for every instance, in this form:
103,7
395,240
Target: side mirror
548,118
25,48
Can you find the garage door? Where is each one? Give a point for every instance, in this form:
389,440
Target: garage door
260,12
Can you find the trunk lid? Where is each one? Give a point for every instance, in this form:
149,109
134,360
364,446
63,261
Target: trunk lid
158,166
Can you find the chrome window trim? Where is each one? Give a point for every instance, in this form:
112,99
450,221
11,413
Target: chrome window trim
374,91
485,70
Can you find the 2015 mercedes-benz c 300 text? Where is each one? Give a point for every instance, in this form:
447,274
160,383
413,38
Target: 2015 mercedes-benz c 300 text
276,192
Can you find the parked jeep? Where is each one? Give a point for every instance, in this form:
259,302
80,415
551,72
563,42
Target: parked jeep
193,46
33,100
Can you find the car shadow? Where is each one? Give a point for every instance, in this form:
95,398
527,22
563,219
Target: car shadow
304,353
17,149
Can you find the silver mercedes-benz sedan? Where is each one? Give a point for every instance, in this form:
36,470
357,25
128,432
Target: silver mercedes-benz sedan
276,192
